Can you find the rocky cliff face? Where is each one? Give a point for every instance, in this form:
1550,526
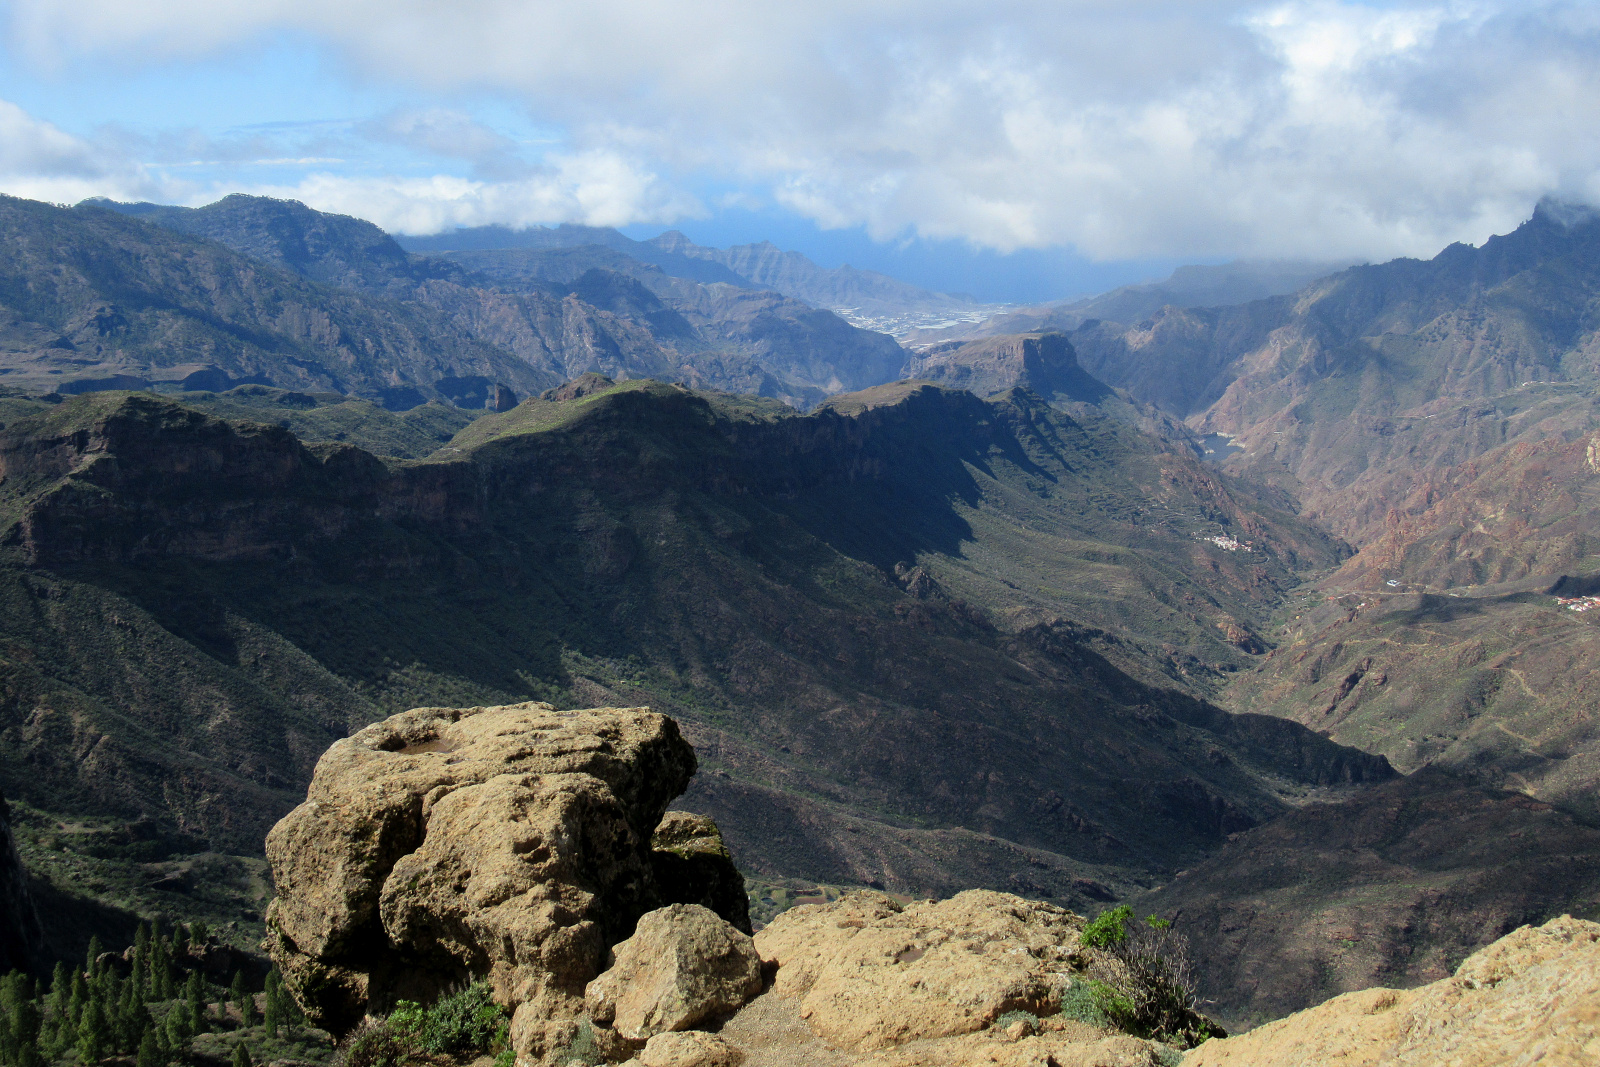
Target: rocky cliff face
1044,363
512,843
20,935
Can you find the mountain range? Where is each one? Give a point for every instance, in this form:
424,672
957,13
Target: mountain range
863,296
1263,616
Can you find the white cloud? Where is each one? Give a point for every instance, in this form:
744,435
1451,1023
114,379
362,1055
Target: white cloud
593,188
1145,127
41,162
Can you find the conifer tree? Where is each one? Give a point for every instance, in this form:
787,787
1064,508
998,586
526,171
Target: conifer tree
78,1001
241,1055
94,1034
133,1018
28,1056
198,934
150,1054
180,940
243,1001
141,959
194,993
161,980
272,1013
57,1012
21,1013
177,1029
8,1007
91,966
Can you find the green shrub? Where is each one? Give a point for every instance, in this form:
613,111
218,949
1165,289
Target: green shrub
1097,1003
1107,930
465,1021
1150,973
372,1044
583,1050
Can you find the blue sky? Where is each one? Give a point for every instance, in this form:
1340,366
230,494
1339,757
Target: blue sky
1022,151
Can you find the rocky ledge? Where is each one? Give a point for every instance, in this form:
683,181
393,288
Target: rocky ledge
532,848
1531,997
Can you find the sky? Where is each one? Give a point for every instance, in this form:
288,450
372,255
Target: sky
1017,150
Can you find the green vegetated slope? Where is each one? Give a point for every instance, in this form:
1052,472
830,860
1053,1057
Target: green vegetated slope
850,613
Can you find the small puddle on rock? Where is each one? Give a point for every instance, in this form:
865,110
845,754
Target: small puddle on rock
438,744
911,955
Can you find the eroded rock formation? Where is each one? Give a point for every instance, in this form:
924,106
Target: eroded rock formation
445,844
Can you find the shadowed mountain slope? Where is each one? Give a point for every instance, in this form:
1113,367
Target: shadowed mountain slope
195,608
1393,887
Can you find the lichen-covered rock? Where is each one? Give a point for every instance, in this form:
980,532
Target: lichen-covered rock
445,843
873,975
692,866
1531,997
683,965
688,1048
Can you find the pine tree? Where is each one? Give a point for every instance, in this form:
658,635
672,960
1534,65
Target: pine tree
57,1011
272,1008
8,1007
91,961
180,940
198,934
141,959
94,1037
28,1056
178,1030
150,1054
194,992
133,1018
79,1000
161,981
241,1055
20,1012
243,1001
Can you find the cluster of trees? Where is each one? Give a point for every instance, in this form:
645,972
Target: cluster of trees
152,1013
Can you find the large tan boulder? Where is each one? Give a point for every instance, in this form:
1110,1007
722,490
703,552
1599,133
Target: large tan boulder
688,1048
872,975
445,844
1531,997
683,965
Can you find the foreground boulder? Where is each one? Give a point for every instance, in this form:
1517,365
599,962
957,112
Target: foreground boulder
683,965
447,844
983,977
1531,997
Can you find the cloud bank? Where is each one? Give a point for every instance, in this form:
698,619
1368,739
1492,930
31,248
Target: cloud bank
1139,128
